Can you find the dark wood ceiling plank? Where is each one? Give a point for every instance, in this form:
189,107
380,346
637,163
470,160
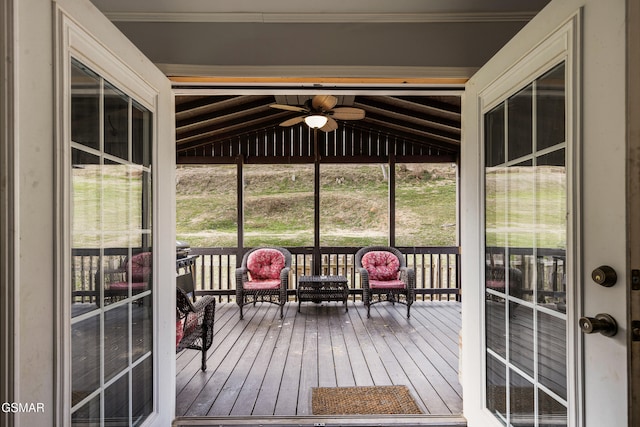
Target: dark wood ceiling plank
217,103
411,118
221,116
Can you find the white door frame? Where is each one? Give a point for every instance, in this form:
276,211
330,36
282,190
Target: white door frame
8,300
633,196
598,219
83,33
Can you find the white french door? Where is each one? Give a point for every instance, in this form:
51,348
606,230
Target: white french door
117,232
544,206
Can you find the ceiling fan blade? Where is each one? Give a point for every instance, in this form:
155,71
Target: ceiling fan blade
324,102
347,113
330,126
289,108
292,122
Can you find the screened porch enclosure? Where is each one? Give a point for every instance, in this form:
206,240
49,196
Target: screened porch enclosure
323,195
243,181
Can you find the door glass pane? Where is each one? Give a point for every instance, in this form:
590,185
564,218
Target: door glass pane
521,401
552,353
141,327
116,122
551,413
551,182
494,120
497,388
520,123
112,269
116,189
86,175
88,415
550,108
495,270
521,337
520,205
142,385
85,106
526,225
520,274
141,126
116,338
116,403
85,358
495,210
496,325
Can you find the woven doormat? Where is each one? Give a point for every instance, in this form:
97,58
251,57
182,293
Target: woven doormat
363,400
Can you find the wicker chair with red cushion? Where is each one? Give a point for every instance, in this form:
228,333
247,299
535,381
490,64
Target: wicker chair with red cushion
116,281
263,277
385,277
194,318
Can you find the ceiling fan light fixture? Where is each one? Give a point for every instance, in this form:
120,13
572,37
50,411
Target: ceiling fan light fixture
315,121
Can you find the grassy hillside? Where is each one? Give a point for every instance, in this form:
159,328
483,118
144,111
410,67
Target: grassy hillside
279,205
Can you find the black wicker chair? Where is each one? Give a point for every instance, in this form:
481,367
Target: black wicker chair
263,277
385,276
194,318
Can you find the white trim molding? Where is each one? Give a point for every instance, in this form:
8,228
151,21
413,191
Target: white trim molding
8,218
317,71
333,18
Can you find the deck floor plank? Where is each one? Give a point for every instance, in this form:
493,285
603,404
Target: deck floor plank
228,356
268,393
264,365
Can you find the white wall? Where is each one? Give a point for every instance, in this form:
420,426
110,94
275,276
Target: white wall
35,205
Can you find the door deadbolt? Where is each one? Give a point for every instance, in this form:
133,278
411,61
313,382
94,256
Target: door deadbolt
602,323
604,276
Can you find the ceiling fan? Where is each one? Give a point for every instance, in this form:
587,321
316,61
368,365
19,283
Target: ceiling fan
320,114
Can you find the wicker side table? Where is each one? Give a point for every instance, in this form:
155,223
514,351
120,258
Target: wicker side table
323,288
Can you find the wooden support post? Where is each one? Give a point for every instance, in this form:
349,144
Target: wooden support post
317,262
392,194
240,208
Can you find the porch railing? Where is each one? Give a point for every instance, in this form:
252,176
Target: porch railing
437,269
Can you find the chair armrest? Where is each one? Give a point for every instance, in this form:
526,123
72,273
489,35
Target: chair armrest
242,275
284,275
203,302
184,306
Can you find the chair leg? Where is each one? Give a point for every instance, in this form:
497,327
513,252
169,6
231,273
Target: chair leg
368,311
241,314
204,359
281,310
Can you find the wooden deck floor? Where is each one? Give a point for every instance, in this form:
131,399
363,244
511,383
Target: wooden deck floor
264,366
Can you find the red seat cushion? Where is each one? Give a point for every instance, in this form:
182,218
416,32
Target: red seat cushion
125,285
140,266
179,330
264,264
381,265
265,284
386,284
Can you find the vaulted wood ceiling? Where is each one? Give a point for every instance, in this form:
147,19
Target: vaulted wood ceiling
207,121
